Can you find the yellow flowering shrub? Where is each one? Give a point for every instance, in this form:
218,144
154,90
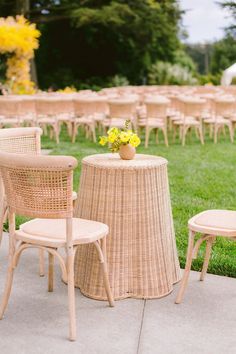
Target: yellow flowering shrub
68,89
19,38
116,137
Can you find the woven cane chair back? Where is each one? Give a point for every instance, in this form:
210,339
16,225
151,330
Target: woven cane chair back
21,140
39,187
224,108
90,106
27,107
122,109
9,108
46,106
194,108
156,110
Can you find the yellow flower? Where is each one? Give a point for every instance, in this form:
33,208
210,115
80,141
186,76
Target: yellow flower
124,137
112,137
113,130
134,140
103,140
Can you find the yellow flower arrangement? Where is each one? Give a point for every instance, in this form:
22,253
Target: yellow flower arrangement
116,137
19,38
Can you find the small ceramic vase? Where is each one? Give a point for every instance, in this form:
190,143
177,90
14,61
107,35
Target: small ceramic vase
127,152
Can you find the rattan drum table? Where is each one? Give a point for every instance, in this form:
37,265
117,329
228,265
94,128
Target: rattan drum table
132,198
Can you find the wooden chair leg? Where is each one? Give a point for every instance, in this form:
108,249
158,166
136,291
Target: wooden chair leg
184,132
56,132
74,132
9,279
71,294
215,133
231,133
93,134
165,137
174,132
209,244
201,135
211,130
147,132
157,140
102,258
41,263
2,220
188,264
51,132
50,272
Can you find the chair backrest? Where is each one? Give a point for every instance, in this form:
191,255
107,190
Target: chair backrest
9,107
224,107
156,110
27,109
194,107
123,109
46,106
38,187
89,106
21,140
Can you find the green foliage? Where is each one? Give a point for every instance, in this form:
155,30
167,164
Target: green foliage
163,73
209,79
223,54
182,58
105,38
118,80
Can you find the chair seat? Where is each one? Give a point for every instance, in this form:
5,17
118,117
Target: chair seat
188,121
52,232
9,121
217,121
215,222
114,122
155,123
84,120
46,120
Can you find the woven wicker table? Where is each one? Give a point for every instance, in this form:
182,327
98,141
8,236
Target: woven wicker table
132,198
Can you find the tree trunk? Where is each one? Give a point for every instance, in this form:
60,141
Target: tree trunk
23,7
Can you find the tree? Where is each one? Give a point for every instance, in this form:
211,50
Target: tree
223,54
231,6
101,38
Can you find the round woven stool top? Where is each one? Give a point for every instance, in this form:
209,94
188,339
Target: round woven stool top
114,161
132,198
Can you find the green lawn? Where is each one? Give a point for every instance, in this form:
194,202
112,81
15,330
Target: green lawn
200,177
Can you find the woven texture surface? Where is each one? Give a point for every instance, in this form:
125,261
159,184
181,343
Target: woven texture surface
132,198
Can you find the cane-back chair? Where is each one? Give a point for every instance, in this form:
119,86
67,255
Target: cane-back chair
42,188
46,115
9,112
19,141
192,112
156,118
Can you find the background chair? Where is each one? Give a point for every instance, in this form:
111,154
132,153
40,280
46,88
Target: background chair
9,112
156,118
46,116
19,141
84,111
121,110
192,114
42,188
210,224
